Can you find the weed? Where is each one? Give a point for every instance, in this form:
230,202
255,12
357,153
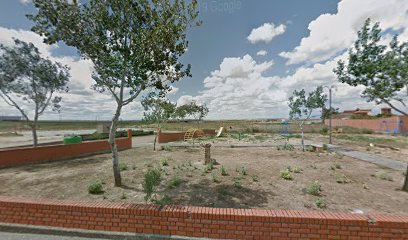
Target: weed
320,203
286,147
237,183
123,196
174,182
215,178
164,161
244,171
222,193
95,187
152,179
223,171
343,179
297,170
385,176
286,174
210,167
166,148
163,201
255,178
123,167
314,189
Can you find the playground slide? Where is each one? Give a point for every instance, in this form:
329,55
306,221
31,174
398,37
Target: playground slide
220,131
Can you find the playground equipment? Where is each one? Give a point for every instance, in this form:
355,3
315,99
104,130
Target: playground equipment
189,135
220,131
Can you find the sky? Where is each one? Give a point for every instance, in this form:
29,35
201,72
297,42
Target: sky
247,57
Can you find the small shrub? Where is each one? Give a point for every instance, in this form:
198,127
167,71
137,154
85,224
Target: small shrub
222,193
95,187
123,196
164,162
152,179
166,148
286,174
314,189
320,203
244,171
255,178
297,170
215,178
174,182
163,201
210,167
343,179
286,147
123,167
223,171
324,131
237,183
385,176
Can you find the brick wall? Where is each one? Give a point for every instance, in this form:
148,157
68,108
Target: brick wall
165,137
26,155
390,124
224,223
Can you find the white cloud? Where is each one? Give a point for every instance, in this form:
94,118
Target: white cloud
173,90
25,1
266,33
331,34
262,53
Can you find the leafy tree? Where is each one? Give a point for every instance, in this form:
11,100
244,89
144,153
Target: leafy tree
302,106
26,77
382,71
133,44
326,112
157,110
197,111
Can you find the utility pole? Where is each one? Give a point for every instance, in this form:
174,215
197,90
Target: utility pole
330,116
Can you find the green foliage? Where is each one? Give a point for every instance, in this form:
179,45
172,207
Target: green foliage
151,181
164,161
198,111
343,179
301,105
26,78
297,170
123,166
157,109
95,187
174,182
165,200
314,189
320,203
255,178
166,148
380,69
286,174
215,178
209,167
286,146
237,183
244,171
223,171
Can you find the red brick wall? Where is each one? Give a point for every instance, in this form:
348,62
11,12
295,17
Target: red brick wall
165,137
376,125
26,155
225,223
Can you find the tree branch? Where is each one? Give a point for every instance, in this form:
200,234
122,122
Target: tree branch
14,104
46,104
395,108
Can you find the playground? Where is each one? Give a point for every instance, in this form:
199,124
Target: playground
275,177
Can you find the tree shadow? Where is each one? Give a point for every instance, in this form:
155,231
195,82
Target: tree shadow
207,194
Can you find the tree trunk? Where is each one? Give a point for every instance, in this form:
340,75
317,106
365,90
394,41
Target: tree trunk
35,137
303,139
114,148
155,139
405,187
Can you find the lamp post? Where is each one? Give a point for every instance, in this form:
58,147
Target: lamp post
330,112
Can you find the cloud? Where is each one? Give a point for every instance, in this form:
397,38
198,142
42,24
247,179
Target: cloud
330,34
266,33
262,53
173,90
25,1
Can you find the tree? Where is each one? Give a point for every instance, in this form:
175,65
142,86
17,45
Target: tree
133,44
382,71
197,111
26,77
302,106
157,110
326,112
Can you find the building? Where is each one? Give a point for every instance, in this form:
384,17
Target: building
347,114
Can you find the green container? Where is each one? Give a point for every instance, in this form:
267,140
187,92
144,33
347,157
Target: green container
72,139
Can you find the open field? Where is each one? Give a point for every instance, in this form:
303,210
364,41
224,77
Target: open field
253,179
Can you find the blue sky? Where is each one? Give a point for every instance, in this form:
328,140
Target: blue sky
295,44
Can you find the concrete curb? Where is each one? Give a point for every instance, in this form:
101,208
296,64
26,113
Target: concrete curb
57,231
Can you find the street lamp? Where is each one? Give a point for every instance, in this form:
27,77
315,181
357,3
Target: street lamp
330,112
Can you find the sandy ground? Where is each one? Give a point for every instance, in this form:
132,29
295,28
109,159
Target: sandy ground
371,188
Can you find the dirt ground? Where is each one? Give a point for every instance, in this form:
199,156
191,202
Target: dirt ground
370,188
